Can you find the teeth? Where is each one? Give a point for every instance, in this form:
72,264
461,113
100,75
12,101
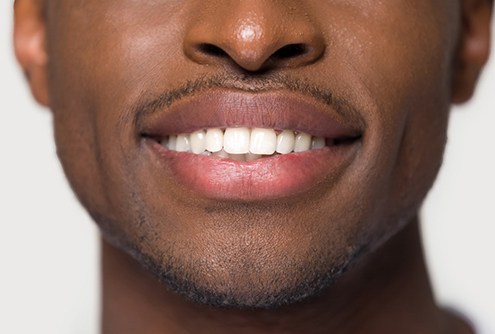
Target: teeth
171,144
214,140
303,142
263,141
182,144
236,140
252,156
237,157
242,144
198,142
285,142
221,154
318,142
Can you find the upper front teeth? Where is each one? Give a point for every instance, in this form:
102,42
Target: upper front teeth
263,141
238,141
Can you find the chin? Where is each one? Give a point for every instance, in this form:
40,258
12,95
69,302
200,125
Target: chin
258,276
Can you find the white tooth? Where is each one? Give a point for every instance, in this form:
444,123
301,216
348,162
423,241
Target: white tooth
214,140
263,141
183,144
198,142
285,142
318,142
238,157
172,143
252,156
221,154
236,140
303,142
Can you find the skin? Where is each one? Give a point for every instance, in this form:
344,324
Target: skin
401,65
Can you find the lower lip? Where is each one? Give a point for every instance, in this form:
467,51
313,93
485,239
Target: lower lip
275,177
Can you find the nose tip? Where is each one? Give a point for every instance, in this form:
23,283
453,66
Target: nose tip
256,37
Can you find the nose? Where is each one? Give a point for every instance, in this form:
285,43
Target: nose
255,35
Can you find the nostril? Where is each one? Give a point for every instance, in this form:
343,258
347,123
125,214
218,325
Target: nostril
290,51
212,50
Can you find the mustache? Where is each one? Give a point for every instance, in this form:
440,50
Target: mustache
146,106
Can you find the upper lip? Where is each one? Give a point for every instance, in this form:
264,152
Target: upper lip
278,109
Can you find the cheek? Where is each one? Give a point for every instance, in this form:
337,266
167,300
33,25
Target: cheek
93,80
402,79
408,72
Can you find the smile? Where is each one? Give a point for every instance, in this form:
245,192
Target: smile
241,146
244,144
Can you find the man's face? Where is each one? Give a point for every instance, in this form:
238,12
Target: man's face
372,77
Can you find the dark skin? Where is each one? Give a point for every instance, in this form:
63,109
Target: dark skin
398,64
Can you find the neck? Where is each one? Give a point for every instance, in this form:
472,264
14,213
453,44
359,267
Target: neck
387,292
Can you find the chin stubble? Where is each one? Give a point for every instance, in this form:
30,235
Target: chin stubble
283,289
280,284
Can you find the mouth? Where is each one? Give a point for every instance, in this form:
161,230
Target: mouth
245,145
233,145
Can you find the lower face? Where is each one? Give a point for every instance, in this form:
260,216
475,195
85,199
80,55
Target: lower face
236,229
